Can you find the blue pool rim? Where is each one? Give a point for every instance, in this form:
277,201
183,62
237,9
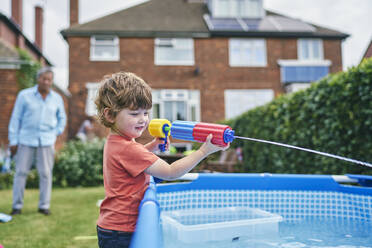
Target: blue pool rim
148,230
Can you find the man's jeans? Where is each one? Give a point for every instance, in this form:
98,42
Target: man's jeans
44,164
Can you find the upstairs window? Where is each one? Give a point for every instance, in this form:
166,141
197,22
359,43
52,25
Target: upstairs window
310,49
104,48
237,8
174,51
247,52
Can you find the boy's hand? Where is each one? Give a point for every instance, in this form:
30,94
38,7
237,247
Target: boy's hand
209,148
158,141
154,144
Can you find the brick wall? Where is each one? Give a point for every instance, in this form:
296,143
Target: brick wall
7,34
368,52
61,140
211,57
8,93
333,52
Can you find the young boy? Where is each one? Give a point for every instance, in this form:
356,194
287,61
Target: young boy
123,102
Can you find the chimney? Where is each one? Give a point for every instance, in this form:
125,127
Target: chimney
17,12
74,12
39,27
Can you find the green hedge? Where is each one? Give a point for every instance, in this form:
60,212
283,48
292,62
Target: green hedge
79,164
334,115
6,179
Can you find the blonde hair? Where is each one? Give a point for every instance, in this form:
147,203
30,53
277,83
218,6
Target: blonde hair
122,90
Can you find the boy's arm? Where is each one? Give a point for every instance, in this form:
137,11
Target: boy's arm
163,170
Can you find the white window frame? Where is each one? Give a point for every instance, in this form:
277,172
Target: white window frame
92,91
251,44
190,97
104,43
249,102
300,51
173,44
237,8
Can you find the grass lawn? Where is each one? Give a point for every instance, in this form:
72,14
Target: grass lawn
72,223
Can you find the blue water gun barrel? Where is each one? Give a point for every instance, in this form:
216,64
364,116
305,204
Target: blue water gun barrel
183,130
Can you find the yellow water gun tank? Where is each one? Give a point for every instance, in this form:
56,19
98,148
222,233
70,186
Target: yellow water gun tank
159,127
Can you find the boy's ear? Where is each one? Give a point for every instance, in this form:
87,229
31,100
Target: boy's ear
108,115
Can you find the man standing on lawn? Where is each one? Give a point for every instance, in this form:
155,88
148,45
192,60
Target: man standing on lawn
37,119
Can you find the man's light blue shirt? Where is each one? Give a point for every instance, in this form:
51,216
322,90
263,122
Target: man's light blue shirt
36,121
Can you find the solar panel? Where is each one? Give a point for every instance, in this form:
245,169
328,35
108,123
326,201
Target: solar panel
268,23
291,25
252,24
223,24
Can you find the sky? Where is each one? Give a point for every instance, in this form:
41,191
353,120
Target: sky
349,16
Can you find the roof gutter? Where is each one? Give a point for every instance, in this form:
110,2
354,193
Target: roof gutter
141,34
12,63
201,34
271,34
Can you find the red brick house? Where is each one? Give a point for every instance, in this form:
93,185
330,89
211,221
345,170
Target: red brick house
12,37
205,60
368,52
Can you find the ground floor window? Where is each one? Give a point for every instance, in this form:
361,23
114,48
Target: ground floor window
92,90
176,104
237,101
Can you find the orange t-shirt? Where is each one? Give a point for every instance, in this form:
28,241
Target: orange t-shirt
125,182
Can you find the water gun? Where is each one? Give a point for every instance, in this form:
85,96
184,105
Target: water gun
191,131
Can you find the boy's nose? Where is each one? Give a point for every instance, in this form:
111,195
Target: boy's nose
143,118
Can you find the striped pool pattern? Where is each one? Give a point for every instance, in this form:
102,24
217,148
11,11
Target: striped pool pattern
291,205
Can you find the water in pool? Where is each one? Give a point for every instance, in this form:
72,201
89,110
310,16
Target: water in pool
312,232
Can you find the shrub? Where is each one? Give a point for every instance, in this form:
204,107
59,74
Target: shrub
334,115
26,75
79,164
6,180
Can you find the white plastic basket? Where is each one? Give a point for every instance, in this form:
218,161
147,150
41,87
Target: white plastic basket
216,224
